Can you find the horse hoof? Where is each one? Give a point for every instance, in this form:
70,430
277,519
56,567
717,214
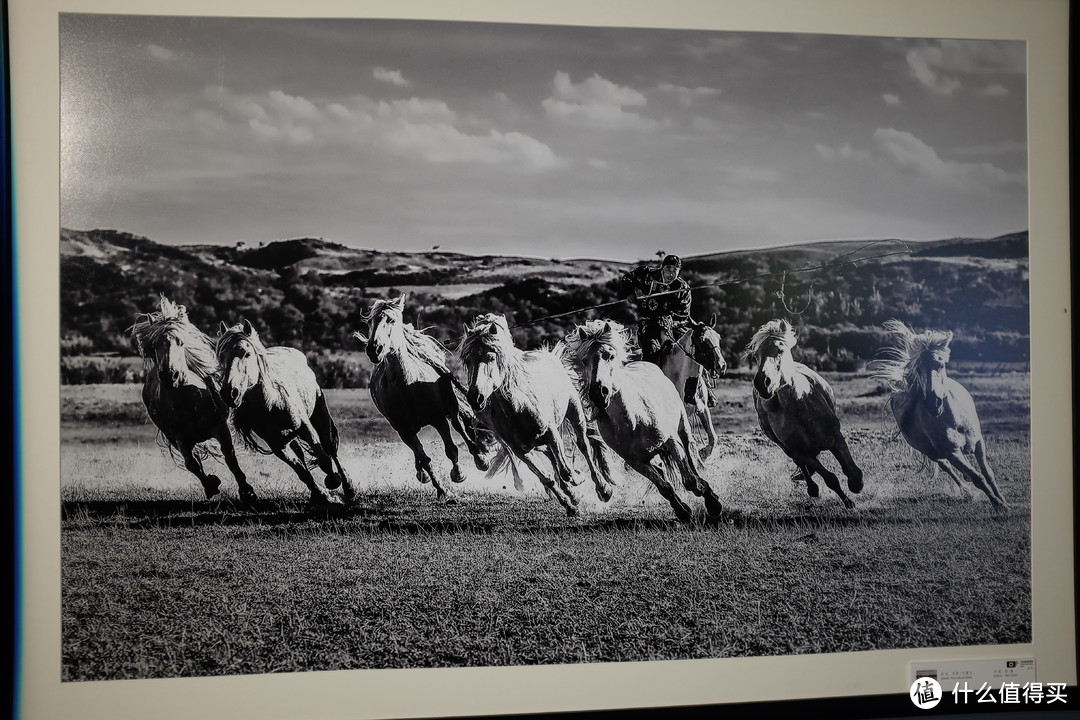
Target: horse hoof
481,464
423,477
813,490
333,481
713,507
456,475
248,497
605,493
848,504
211,485
855,484
571,511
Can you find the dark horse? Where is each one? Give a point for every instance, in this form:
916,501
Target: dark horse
797,411
413,388
181,392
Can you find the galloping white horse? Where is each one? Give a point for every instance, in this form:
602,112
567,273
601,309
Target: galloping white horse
935,413
275,396
696,354
526,397
639,413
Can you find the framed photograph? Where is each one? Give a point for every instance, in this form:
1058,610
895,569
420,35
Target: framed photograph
398,360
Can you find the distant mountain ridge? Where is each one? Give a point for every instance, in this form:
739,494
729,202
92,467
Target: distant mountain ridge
311,293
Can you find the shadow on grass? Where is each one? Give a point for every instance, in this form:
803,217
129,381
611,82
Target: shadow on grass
490,515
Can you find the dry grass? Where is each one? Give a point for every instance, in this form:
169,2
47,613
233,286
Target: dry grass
160,582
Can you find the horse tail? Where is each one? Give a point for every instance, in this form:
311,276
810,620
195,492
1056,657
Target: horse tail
323,420
685,440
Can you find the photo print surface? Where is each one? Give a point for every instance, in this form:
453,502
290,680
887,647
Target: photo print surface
416,344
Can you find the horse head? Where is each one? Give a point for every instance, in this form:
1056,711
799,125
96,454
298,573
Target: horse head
600,361
385,327
170,356
240,352
930,371
706,347
770,350
176,348
483,353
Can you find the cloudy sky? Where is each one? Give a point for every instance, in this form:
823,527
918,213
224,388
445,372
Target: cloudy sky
535,140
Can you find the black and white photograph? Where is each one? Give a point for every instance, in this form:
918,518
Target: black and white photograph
393,344
413,344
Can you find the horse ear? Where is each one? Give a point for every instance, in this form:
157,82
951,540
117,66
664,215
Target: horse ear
948,337
224,328
493,329
399,301
246,327
607,326
712,321
361,338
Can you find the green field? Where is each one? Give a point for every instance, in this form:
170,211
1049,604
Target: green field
157,581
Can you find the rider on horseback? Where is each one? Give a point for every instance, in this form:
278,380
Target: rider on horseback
663,305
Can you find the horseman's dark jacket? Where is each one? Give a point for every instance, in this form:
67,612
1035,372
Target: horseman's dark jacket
675,304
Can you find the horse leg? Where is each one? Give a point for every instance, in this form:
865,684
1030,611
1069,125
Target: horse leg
210,483
423,462
951,473
321,434
318,494
960,463
442,425
831,481
593,455
804,474
691,478
463,424
991,481
228,451
667,490
551,485
843,455
553,448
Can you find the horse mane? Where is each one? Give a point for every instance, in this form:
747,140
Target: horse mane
777,331
150,328
272,387
897,364
584,338
418,343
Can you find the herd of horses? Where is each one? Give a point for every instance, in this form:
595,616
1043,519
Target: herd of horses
514,405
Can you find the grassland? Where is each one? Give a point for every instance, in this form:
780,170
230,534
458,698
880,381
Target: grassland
157,581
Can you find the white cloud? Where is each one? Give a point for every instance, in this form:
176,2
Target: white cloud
687,95
995,90
844,152
394,77
924,63
161,53
891,99
417,127
940,65
911,154
595,102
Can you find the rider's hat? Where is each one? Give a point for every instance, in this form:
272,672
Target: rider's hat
671,260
